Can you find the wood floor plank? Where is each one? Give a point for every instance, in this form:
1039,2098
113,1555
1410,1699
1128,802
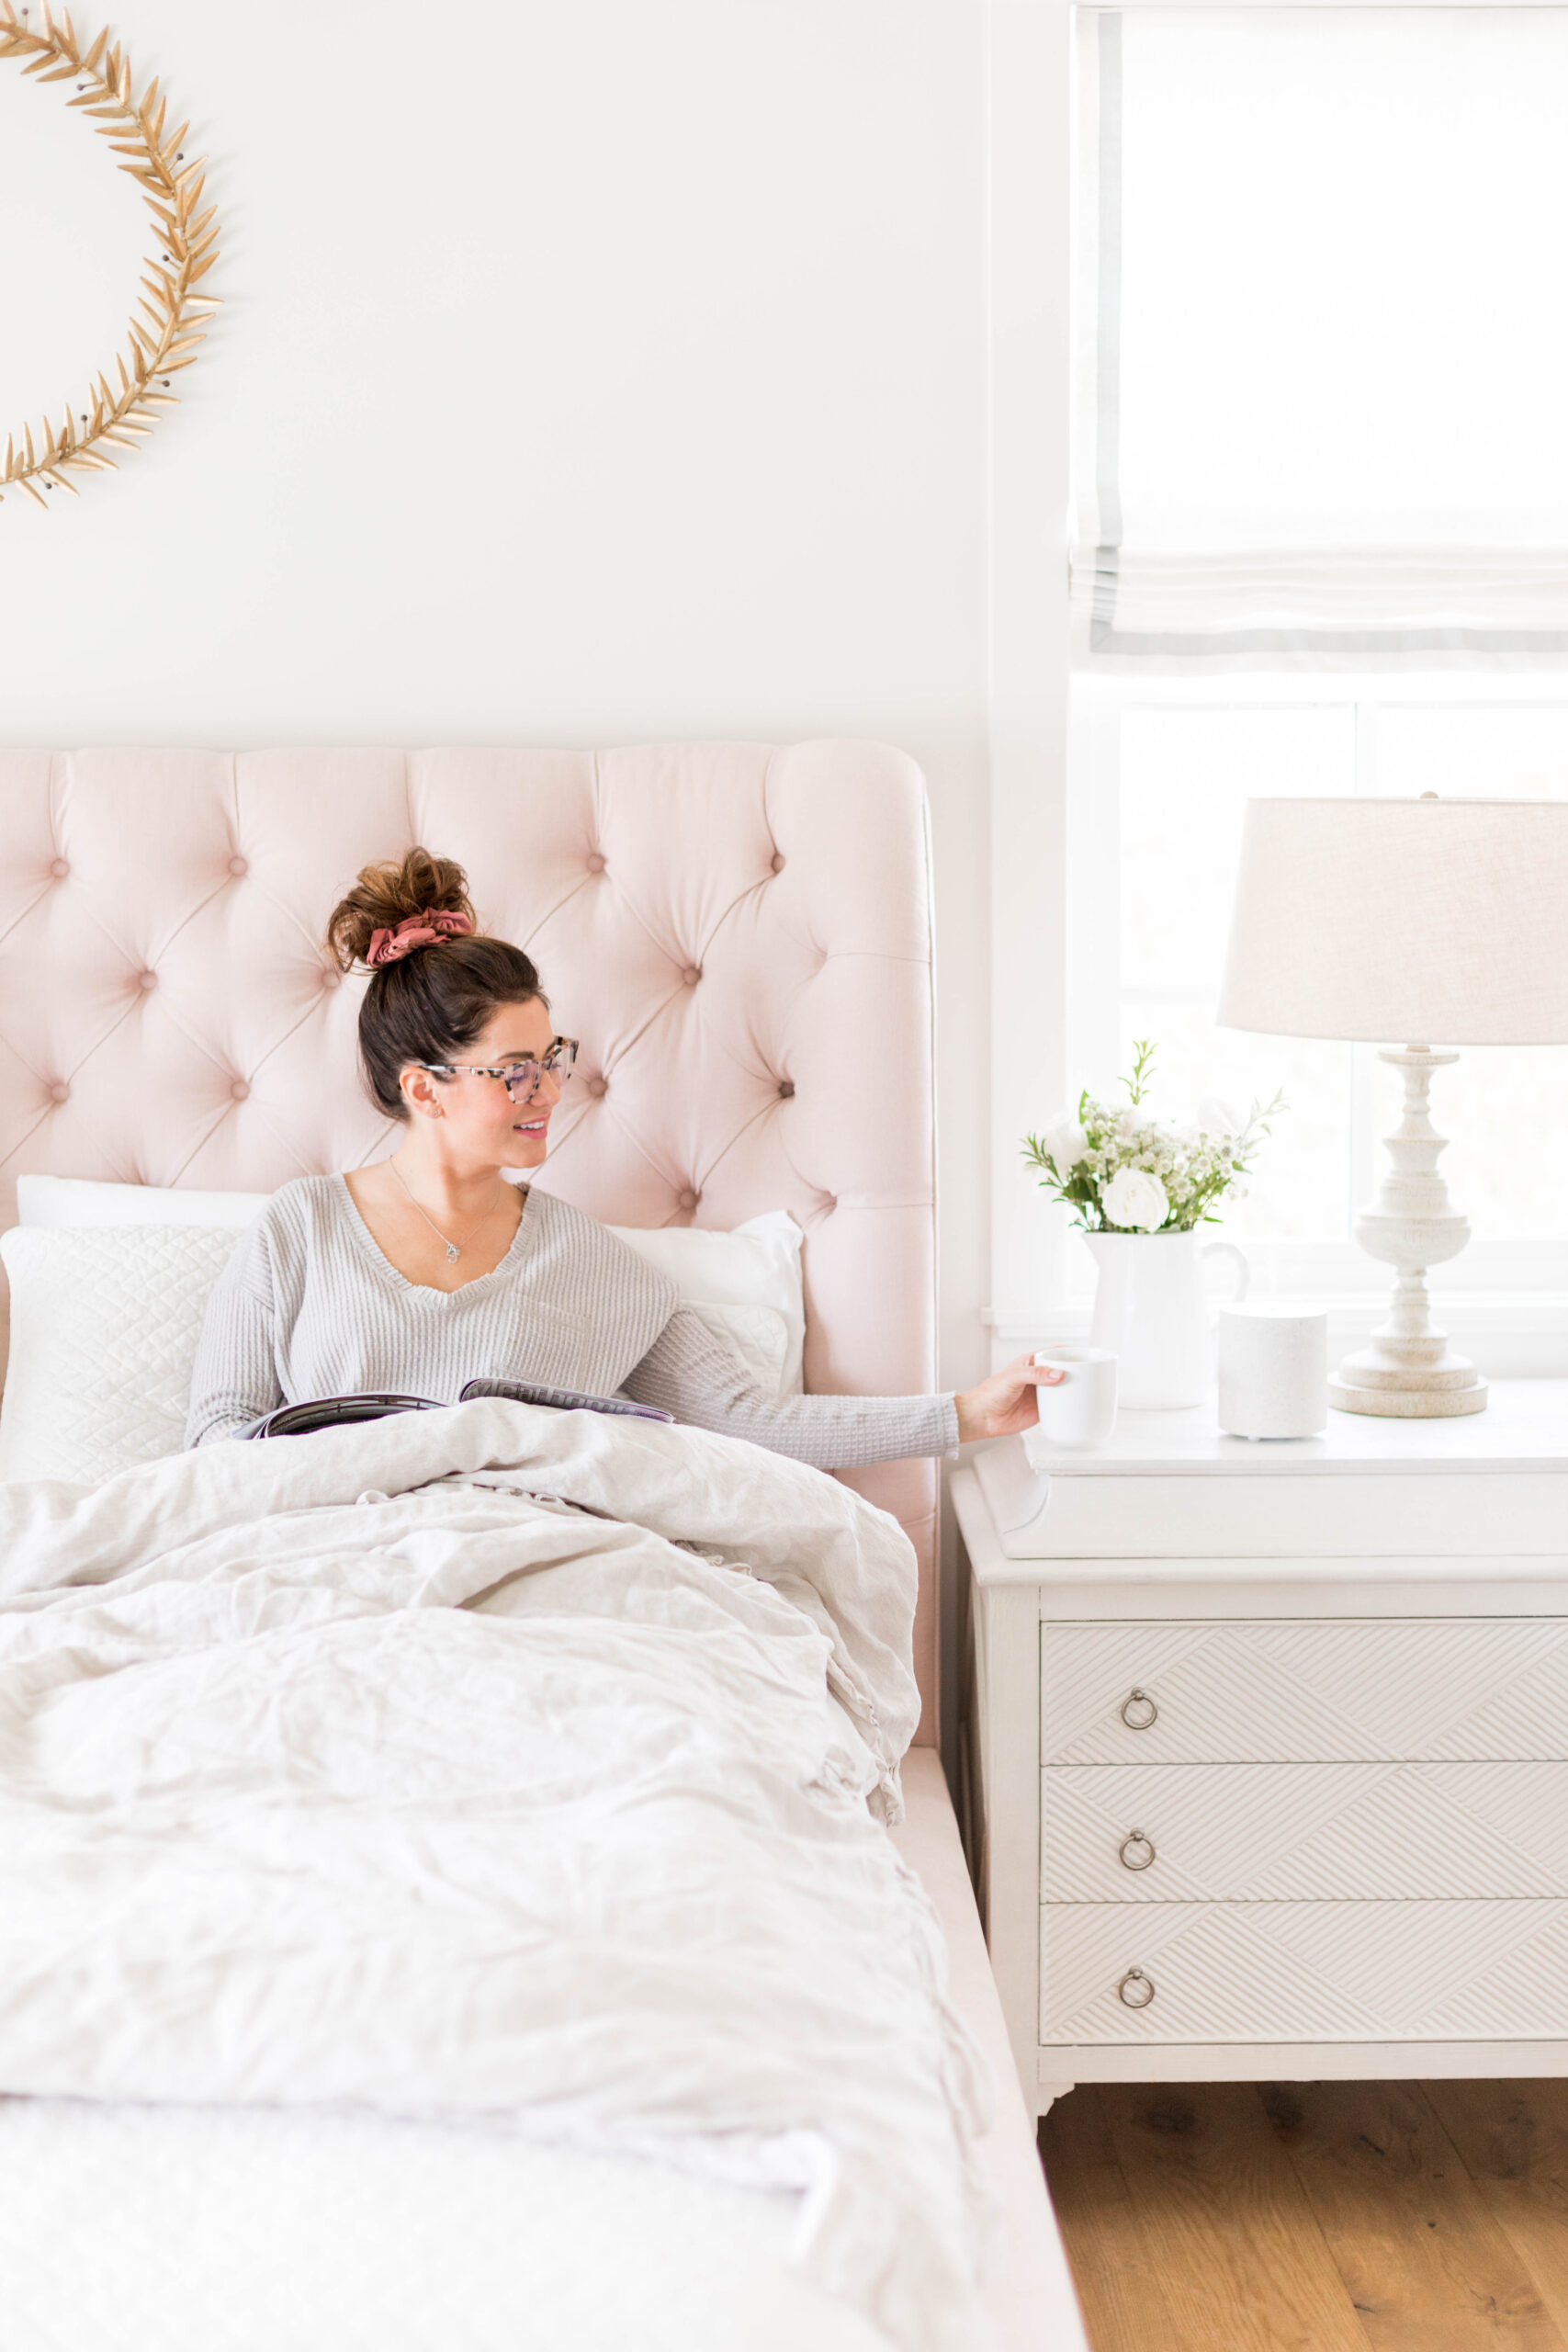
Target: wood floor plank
1513,2137
1241,2262
1118,2282
1428,2267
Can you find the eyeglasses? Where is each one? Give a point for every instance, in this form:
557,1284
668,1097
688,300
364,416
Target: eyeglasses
520,1079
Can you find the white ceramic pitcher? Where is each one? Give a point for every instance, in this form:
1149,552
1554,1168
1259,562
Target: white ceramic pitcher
1152,1310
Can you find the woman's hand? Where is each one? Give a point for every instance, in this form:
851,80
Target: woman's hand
1005,1403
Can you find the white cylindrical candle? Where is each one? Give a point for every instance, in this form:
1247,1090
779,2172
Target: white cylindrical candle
1273,1369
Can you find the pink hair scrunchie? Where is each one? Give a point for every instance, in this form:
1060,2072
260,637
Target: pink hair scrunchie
419,931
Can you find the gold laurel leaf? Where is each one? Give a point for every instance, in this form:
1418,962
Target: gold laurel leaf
136,129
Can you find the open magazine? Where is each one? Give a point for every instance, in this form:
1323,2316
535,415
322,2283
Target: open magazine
332,1412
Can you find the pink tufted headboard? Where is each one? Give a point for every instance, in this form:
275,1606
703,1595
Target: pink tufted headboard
740,935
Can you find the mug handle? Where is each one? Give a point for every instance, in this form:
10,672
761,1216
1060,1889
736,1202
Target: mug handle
1242,1270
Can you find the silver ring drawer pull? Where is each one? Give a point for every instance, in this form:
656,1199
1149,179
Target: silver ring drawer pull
1136,1851
1135,1989
1138,1710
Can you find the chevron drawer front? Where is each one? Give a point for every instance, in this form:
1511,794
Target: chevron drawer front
1269,1833
1303,1971
1305,1690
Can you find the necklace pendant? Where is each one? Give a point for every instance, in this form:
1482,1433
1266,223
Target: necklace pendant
452,1253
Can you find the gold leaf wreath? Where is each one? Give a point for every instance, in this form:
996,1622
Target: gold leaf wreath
186,241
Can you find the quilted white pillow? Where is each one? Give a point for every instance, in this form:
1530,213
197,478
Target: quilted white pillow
104,1328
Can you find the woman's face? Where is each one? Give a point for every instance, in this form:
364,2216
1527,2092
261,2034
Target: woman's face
480,1123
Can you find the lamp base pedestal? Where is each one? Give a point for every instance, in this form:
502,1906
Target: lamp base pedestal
1409,1371
1372,1382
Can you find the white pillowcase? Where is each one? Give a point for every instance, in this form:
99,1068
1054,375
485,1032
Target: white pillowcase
109,1284
104,1330
78,1201
746,1285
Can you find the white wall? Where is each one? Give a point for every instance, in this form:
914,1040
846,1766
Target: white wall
588,372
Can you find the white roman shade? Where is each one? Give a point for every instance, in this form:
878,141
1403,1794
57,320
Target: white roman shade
1322,407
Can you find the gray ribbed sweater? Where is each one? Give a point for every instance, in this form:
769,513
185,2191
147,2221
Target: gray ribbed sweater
309,1307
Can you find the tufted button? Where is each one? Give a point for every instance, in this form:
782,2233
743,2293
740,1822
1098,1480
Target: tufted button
778,861
787,1090
239,1091
597,1086
147,980
60,1091
595,862
239,865
331,976
691,975
59,867
688,1199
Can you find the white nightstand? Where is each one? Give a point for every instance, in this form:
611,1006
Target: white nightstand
1269,1745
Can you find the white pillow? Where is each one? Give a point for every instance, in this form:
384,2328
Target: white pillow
78,1201
103,1329
746,1284
735,1280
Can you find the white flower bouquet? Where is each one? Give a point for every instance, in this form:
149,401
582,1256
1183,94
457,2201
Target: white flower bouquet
1125,1172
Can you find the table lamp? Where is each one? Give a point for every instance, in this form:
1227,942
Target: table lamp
1414,920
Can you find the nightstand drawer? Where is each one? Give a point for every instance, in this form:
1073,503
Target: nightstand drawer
1236,1833
1303,1971
1305,1690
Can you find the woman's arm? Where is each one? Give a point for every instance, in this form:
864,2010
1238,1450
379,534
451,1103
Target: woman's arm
234,1377
693,1375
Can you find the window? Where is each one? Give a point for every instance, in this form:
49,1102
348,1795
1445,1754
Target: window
1162,770
1321,363
1321,546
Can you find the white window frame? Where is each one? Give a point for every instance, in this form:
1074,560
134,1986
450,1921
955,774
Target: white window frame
1055,834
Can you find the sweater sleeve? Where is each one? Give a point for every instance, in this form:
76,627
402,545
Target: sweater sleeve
693,1375
234,1377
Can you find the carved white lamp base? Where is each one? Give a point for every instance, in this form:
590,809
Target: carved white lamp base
1409,1371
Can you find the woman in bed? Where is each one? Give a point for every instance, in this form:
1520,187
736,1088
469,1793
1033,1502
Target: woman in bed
430,1269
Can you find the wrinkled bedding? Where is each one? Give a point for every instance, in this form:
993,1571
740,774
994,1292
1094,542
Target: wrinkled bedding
496,1765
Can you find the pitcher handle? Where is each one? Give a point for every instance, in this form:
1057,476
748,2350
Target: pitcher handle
1242,1270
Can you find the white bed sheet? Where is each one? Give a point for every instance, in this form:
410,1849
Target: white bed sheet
253,2230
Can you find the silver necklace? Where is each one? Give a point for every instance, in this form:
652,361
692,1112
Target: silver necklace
454,1248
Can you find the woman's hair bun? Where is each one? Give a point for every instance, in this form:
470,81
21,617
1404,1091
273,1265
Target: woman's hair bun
388,894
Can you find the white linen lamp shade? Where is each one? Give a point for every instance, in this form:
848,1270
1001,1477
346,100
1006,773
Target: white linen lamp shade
1402,923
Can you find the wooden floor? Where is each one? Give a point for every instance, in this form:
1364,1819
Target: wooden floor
1315,2217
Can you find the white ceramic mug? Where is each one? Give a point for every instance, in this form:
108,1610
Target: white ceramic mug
1080,1410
